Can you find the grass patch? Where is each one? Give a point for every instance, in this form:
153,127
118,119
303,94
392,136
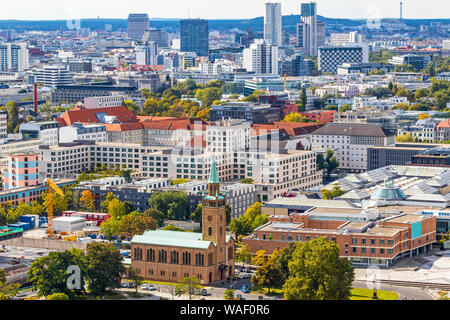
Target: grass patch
366,294
135,295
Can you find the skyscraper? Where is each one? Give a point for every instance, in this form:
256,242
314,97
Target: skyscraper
194,36
273,24
307,29
138,23
261,58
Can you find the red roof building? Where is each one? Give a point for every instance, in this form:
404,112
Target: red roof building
122,113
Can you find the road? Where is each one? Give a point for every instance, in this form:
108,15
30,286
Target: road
405,292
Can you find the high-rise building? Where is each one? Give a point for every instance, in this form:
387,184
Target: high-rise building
22,171
273,24
308,29
340,39
147,55
194,36
261,58
14,57
138,23
160,37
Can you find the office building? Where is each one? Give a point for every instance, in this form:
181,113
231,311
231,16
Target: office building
261,58
350,142
307,29
79,132
80,66
73,93
273,24
137,25
253,113
194,36
332,57
14,57
52,76
147,54
340,39
417,61
160,37
47,132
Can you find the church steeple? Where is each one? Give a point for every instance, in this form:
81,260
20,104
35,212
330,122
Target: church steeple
213,176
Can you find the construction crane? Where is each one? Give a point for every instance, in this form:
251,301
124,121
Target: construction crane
51,187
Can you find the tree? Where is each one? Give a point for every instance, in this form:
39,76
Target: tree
133,275
401,106
196,216
174,204
243,255
110,228
330,163
156,215
171,227
104,205
49,274
405,138
87,200
13,116
318,273
228,294
208,96
7,289
188,286
105,267
283,257
296,117
335,192
424,116
116,208
268,274
345,107
247,181
57,296
136,223
251,220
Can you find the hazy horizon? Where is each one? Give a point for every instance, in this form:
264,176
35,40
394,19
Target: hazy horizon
215,10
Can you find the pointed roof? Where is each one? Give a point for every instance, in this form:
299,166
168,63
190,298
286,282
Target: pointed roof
213,177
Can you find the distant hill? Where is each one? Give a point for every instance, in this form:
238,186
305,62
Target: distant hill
257,24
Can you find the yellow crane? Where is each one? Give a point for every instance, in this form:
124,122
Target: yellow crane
51,187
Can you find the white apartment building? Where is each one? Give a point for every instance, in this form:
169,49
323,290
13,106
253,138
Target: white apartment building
14,57
261,58
103,102
47,131
19,146
340,39
364,102
93,132
350,142
273,24
423,130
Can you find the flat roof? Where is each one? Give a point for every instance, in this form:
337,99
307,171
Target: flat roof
335,210
408,218
384,231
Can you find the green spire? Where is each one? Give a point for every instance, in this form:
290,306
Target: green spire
213,177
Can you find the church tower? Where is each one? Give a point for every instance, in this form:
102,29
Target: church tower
214,222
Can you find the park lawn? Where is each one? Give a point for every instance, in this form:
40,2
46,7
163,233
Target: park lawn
366,294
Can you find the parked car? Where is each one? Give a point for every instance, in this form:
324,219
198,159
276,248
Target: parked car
239,297
244,289
130,285
144,286
151,287
21,295
204,292
124,285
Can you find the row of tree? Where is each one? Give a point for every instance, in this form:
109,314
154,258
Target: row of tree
311,270
70,272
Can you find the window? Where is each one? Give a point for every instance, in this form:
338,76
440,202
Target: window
209,231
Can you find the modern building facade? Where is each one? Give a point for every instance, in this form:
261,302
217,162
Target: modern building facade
194,36
332,57
137,24
14,57
261,58
22,171
273,24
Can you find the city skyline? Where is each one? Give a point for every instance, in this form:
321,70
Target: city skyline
31,10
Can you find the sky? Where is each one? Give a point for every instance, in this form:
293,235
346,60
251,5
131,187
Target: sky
218,9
